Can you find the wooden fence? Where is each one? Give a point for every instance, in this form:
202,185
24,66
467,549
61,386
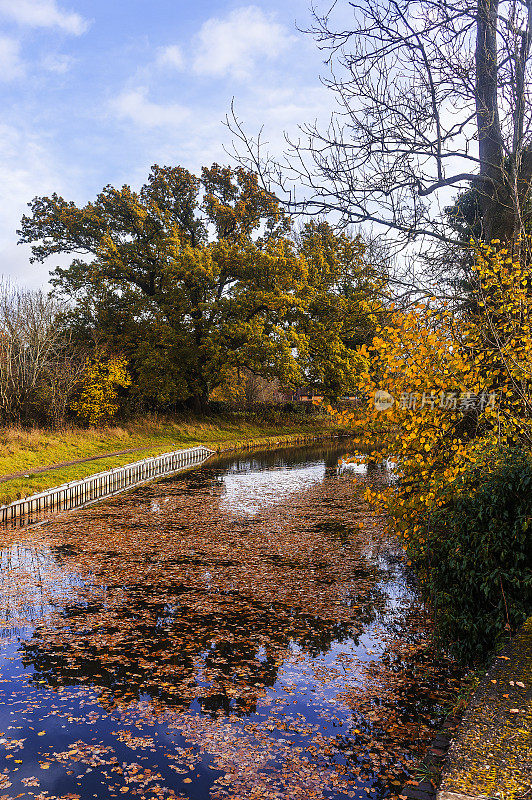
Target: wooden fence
97,487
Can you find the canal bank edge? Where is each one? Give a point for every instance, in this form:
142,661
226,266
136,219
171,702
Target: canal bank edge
9,513
491,753
278,441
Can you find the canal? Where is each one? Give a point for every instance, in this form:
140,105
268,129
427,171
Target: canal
243,630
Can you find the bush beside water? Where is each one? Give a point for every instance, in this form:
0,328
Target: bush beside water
479,559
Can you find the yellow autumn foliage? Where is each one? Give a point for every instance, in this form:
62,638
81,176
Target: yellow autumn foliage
460,386
97,401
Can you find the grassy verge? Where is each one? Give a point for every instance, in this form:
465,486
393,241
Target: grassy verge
22,450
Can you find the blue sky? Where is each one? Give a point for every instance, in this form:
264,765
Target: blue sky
95,91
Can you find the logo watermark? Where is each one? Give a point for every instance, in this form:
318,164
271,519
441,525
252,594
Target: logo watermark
446,401
383,400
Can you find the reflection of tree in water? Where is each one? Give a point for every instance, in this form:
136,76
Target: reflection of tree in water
326,452
224,656
186,604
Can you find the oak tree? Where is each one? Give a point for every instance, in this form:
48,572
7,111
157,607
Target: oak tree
197,273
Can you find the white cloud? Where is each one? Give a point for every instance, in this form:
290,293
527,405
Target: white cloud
60,64
135,106
170,56
27,168
11,66
43,14
233,45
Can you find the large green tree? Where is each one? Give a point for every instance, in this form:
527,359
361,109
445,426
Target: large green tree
193,274
346,298
193,277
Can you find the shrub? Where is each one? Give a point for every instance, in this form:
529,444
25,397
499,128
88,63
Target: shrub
98,400
478,570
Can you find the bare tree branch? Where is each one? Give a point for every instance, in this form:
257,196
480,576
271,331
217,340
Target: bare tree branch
425,89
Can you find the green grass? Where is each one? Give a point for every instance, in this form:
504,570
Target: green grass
24,450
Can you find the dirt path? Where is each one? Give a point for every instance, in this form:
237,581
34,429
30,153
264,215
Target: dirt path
27,472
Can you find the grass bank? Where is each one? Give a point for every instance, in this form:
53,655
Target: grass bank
26,450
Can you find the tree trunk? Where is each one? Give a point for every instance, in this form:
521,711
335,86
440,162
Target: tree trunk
199,404
199,401
497,216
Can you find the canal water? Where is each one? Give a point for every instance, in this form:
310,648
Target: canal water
244,630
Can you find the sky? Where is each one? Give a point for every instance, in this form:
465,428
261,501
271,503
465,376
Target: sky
94,92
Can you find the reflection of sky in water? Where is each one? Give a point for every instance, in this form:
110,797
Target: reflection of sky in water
32,582
249,492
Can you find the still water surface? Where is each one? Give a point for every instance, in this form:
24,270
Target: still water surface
244,630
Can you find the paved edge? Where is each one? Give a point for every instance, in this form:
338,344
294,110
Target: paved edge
491,754
433,764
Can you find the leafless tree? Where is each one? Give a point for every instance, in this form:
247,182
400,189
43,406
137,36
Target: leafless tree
62,379
433,96
39,368
257,390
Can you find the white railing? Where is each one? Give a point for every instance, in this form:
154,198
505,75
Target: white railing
97,487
